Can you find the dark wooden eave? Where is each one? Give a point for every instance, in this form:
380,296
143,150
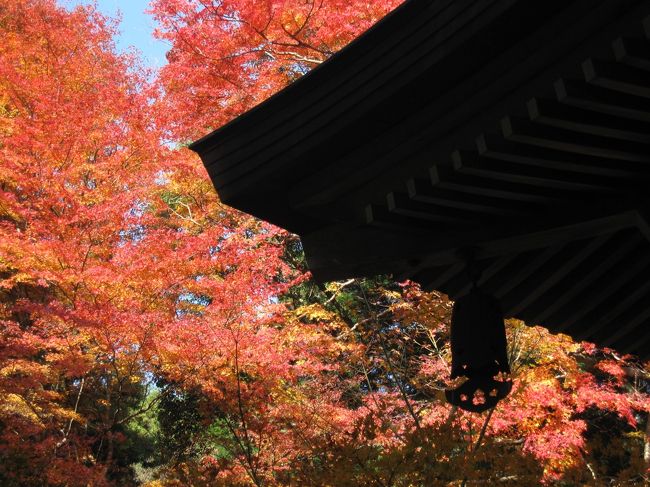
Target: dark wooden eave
518,129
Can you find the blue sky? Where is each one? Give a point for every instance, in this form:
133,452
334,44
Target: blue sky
136,27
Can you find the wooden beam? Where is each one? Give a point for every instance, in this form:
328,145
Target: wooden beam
618,77
608,175
400,203
485,247
540,135
623,329
441,280
542,285
568,297
420,191
379,216
497,265
560,234
499,169
596,330
560,115
601,294
446,178
395,245
633,52
538,261
588,96
637,343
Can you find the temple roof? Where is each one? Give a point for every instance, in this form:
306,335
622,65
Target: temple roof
513,131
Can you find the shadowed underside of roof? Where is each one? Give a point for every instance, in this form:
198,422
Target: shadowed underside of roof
518,131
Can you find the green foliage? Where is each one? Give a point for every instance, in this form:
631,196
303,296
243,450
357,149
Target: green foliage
179,423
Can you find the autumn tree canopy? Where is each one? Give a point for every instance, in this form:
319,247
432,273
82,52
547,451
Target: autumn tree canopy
227,57
150,335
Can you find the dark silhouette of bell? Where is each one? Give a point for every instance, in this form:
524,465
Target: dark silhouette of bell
478,352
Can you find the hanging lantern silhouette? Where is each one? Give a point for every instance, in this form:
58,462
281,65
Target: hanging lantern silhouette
478,352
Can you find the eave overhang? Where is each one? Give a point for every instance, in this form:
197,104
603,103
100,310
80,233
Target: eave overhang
517,129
